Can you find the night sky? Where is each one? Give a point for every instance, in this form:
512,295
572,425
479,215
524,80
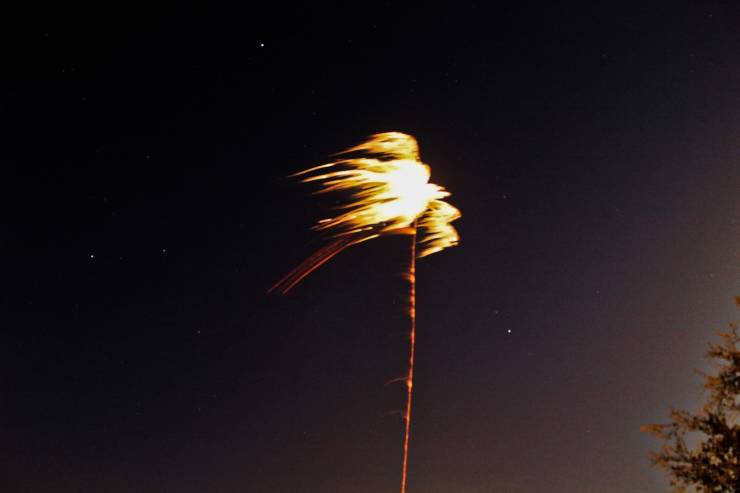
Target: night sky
593,152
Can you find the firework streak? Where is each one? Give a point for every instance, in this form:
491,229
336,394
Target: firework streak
388,192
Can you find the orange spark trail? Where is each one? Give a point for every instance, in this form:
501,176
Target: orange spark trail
309,265
410,376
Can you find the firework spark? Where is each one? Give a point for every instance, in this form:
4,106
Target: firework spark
388,192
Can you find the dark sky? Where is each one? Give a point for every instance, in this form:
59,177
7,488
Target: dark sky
592,151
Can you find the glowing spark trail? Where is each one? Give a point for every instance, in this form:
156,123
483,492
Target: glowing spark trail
410,375
389,193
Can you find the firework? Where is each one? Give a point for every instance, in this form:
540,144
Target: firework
388,192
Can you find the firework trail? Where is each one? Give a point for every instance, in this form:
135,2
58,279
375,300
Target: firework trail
388,192
412,351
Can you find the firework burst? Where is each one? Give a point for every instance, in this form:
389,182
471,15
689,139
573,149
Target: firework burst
388,192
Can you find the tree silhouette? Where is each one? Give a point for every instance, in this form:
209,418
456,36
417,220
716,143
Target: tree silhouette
701,452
